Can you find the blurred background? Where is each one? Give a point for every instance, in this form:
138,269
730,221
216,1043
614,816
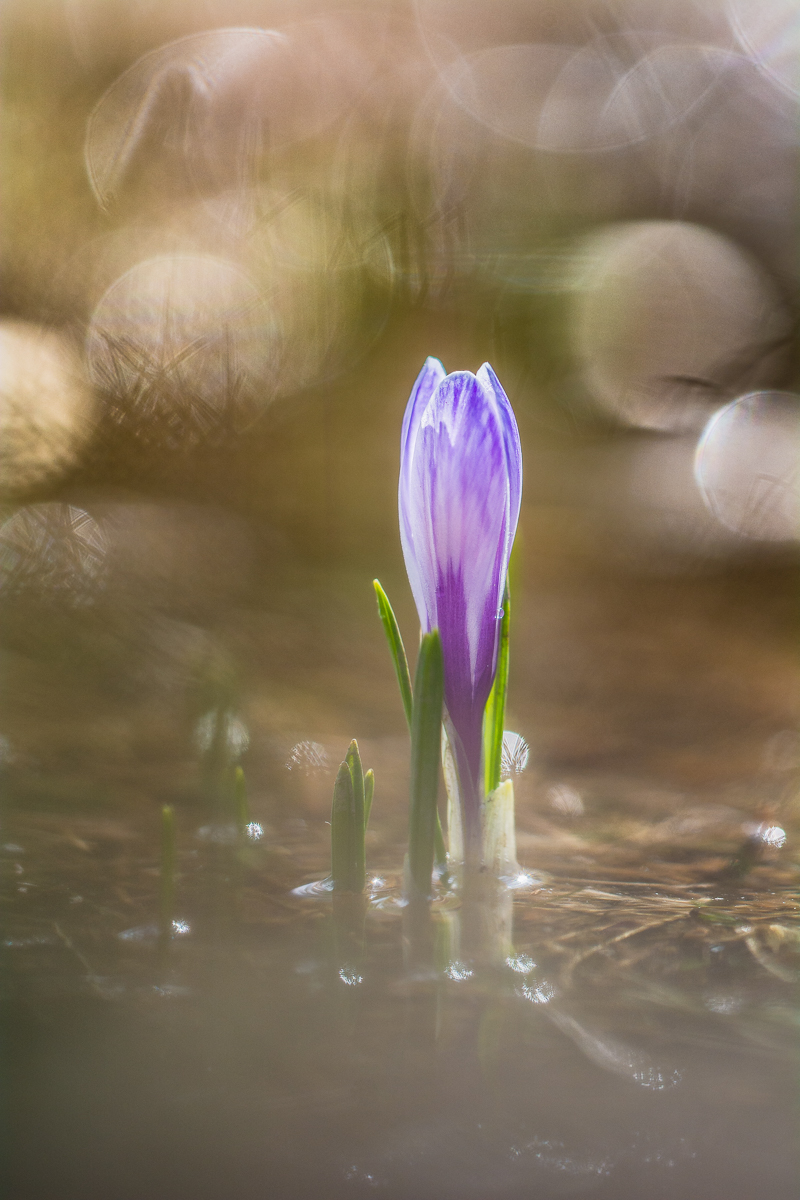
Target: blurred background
232,230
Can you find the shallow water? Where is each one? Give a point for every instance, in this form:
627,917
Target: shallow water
625,1040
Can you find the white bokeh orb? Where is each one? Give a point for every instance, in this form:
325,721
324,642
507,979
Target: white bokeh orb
670,320
747,466
47,408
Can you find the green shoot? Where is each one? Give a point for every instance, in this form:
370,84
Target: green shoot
426,735
400,660
494,716
348,823
396,648
342,853
369,792
353,760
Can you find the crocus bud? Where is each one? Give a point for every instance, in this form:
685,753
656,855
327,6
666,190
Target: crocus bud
459,498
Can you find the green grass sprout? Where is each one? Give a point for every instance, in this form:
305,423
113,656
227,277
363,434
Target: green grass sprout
400,660
426,727
369,793
353,792
396,648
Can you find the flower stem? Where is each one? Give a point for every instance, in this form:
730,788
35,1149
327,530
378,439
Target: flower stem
498,831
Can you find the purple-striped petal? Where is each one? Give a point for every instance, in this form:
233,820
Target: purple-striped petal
511,436
426,383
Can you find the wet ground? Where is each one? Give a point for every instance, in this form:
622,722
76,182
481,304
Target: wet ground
628,1038
623,1022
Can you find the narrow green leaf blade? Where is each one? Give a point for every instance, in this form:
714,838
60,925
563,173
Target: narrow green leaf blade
353,760
342,814
495,712
358,859
425,750
396,648
369,792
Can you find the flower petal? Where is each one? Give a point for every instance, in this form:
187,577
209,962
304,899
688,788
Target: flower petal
426,383
511,436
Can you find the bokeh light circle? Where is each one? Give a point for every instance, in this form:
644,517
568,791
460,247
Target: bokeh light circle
47,408
182,348
747,466
671,319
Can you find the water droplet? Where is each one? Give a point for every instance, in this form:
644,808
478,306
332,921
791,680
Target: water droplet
541,993
514,755
458,971
523,964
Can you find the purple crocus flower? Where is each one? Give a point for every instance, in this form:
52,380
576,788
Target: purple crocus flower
460,488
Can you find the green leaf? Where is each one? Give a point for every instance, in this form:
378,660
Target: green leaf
495,713
396,648
426,726
348,867
400,661
342,822
353,760
369,792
